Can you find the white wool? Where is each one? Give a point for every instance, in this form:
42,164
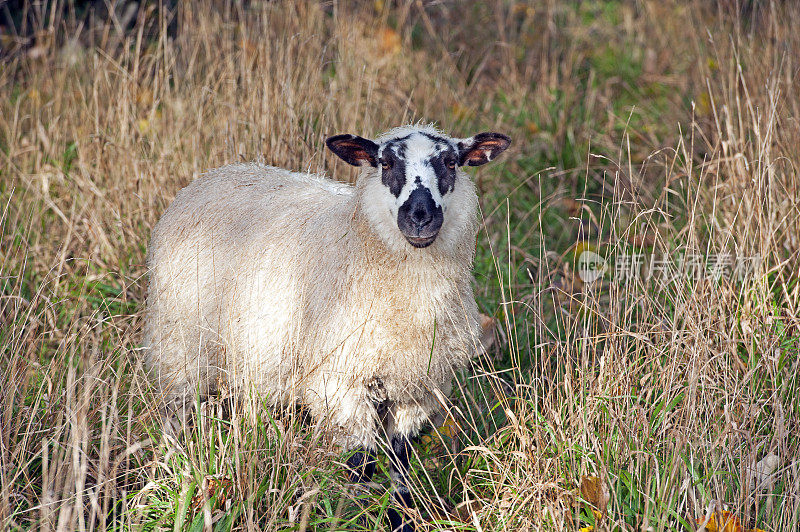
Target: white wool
304,290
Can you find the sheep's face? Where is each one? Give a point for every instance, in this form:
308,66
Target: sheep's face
418,168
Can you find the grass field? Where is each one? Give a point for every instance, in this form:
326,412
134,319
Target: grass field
662,135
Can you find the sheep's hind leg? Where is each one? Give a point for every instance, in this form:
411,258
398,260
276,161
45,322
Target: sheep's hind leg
176,414
398,460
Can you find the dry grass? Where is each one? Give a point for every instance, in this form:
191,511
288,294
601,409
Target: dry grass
660,128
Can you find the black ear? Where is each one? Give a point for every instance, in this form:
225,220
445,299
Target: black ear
354,150
481,148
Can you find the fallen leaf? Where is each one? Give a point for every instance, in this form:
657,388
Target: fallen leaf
581,246
448,428
389,41
728,522
703,104
595,492
521,8
488,326
467,509
573,207
143,125
222,487
764,469
249,48
566,286
640,240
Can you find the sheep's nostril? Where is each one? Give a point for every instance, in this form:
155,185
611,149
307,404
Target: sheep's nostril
421,217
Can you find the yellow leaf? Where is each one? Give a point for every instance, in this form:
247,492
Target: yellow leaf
34,97
389,41
449,428
460,112
583,245
586,529
521,8
728,522
703,105
143,125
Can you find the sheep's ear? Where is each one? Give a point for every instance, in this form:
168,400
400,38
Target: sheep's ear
481,148
354,150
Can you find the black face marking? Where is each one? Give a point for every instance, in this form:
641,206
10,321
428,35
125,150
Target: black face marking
445,176
419,218
393,174
435,138
397,146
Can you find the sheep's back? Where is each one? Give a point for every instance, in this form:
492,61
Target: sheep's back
226,262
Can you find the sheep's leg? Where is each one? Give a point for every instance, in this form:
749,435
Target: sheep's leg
361,466
398,469
176,414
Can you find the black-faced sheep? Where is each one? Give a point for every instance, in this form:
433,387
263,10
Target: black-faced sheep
354,301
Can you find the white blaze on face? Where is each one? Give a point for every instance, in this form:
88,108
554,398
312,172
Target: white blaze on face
416,160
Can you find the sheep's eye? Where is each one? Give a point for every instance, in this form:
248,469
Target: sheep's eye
385,165
451,165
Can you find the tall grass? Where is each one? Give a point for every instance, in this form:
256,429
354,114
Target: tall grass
662,129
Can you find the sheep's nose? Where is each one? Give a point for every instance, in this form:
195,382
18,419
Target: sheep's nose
421,216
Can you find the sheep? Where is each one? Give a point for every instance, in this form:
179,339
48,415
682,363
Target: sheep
354,301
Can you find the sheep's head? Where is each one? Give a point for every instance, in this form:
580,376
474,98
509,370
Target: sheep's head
418,169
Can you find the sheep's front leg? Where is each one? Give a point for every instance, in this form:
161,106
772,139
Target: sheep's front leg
398,469
361,466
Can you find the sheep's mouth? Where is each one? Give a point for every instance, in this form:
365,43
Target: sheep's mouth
421,241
